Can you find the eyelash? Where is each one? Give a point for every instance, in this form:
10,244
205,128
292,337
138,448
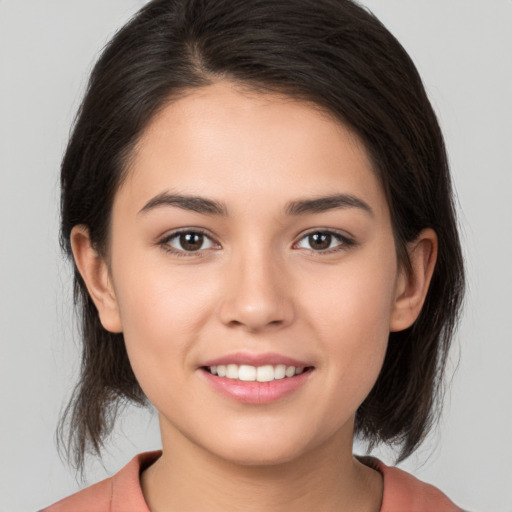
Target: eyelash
164,243
345,242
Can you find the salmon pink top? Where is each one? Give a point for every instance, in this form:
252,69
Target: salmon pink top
122,492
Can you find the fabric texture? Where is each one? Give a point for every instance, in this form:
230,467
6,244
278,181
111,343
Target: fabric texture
122,492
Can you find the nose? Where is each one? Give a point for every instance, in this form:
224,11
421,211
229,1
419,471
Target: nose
257,295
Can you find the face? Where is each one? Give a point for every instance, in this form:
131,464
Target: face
252,240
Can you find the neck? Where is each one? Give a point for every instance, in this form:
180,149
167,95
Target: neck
327,478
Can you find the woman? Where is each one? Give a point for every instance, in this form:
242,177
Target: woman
257,200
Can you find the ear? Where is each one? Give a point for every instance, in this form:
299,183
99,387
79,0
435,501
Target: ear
95,272
413,283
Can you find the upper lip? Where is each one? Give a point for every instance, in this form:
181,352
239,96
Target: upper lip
268,358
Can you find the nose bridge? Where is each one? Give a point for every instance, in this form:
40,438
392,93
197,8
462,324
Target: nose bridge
256,296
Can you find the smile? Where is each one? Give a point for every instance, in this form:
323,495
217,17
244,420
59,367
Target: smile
248,373
256,384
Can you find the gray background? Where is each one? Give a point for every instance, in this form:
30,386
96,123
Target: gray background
463,49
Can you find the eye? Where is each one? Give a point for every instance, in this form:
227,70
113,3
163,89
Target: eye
190,241
324,241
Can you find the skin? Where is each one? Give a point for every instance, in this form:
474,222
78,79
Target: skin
256,285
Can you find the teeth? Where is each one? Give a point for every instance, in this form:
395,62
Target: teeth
232,371
279,371
290,371
245,372
265,373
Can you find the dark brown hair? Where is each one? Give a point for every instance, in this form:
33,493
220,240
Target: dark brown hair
333,53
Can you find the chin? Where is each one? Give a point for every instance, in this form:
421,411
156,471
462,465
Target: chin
270,449
260,457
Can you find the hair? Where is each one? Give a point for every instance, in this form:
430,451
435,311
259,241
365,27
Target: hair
333,53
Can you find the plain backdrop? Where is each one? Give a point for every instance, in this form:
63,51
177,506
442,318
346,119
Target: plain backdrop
463,49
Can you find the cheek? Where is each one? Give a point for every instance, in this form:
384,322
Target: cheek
354,301
351,315
162,310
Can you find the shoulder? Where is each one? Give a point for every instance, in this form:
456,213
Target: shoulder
405,493
97,496
120,493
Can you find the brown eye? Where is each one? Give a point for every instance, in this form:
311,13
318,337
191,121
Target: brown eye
325,241
191,241
320,241
188,241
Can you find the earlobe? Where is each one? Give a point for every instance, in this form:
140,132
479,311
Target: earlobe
413,284
94,271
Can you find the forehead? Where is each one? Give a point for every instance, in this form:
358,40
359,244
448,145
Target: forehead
223,141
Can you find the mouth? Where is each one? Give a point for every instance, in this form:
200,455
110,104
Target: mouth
257,379
263,373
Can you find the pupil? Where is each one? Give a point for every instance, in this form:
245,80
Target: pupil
191,241
320,240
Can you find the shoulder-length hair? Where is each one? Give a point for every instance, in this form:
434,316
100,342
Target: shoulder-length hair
333,53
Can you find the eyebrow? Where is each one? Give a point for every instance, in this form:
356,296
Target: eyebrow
325,203
293,208
192,203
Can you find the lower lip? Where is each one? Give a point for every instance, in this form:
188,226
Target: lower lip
256,393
